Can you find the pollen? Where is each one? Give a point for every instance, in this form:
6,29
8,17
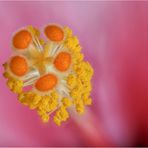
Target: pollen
62,61
18,65
22,39
46,82
54,33
51,76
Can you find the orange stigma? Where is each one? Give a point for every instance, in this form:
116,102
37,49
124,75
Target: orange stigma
62,61
46,82
54,33
18,66
22,39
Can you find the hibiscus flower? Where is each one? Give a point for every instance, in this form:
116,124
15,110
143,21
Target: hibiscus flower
113,36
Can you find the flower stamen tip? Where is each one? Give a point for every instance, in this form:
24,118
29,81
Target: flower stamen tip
55,69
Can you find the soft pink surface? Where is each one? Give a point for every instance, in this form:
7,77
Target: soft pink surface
114,36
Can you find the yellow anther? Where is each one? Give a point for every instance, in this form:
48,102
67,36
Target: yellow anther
34,31
22,98
44,115
80,107
71,42
6,75
48,103
68,31
66,102
61,115
15,85
71,80
75,50
45,118
87,101
36,99
75,93
41,112
77,58
30,99
5,65
54,94
57,121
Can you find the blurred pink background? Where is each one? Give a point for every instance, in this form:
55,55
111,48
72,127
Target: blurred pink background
114,36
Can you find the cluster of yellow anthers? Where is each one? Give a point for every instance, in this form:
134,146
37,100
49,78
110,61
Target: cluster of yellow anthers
49,76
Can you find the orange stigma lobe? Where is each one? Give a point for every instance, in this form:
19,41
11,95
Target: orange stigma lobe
46,82
22,39
62,61
18,66
54,33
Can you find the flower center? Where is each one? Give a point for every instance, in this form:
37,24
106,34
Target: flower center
18,65
22,39
46,82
